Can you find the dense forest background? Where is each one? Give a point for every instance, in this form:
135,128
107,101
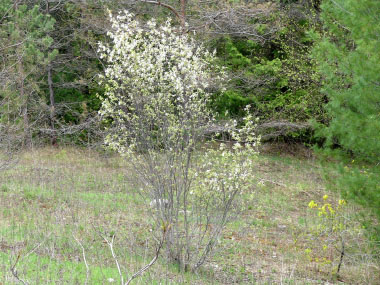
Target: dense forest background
309,69
50,61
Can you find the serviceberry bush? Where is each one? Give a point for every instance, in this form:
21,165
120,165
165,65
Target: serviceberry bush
156,104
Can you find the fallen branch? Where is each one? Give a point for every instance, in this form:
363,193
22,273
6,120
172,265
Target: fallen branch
267,131
274,182
275,129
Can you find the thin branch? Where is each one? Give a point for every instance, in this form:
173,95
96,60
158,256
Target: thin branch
37,246
274,182
13,268
13,45
15,273
341,7
7,12
171,8
85,260
110,244
150,264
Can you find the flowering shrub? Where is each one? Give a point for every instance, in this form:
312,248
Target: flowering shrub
156,103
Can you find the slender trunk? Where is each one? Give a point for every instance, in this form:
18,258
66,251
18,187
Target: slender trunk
52,106
23,94
53,138
24,107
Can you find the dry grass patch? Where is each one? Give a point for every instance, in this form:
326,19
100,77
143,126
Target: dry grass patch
54,195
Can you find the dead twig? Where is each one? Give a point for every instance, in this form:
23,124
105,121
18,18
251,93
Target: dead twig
274,182
84,260
110,245
13,268
14,271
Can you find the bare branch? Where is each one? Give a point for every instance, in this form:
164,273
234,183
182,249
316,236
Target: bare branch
10,9
37,246
14,271
273,182
13,268
150,264
171,8
110,245
236,21
275,129
84,260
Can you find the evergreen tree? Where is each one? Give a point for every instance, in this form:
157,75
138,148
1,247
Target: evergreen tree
24,42
348,56
349,59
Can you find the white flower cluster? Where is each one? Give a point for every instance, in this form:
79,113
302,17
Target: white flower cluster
155,85
226,171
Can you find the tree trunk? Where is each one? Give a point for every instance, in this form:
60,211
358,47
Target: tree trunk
24,106
23,94
53,138
52,106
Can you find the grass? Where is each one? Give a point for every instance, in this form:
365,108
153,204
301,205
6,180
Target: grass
54,195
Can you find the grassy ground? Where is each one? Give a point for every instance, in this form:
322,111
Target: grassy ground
57,200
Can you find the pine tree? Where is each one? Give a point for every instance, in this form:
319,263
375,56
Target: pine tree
348,55
24,42
349,59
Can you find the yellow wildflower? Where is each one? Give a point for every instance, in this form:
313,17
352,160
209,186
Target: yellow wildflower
322,210
312,204
330,209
